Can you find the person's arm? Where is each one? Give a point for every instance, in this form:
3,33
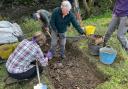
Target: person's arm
53,19
47,18
76,24
40,57
44,19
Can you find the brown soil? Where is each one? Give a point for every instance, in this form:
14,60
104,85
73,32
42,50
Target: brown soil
74,72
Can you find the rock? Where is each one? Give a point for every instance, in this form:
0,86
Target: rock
69,74
60,65
58,78
70,64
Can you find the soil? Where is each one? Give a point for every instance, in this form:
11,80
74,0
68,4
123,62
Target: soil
73,72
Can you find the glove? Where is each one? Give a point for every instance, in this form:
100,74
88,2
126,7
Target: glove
45,62
49,55
83,31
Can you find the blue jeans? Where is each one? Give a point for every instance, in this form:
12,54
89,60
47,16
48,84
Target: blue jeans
54,40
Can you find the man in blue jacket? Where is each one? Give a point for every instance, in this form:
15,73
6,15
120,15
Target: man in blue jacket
60,19
119,18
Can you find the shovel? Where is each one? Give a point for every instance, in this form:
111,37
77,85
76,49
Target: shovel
39,85
49,33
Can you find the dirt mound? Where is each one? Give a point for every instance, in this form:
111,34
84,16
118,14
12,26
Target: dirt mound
74,72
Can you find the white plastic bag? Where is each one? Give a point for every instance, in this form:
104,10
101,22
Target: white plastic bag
9,32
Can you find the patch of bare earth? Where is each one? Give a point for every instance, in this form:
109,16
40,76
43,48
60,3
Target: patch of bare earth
74,72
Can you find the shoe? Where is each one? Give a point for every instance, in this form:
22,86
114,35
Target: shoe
104,44
63,56
126,49
10,80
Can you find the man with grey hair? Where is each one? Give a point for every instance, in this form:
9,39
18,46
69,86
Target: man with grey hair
60,19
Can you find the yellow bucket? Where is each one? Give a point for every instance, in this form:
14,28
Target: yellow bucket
89,30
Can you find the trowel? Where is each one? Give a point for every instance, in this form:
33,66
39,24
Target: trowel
39,85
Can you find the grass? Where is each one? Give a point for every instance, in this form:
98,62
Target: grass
117,72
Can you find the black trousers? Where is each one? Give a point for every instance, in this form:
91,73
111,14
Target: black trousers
26,75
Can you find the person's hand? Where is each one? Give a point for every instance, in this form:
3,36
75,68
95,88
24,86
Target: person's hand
45,63
83,31
46,29
49,55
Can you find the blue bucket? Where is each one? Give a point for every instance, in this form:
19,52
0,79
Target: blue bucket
107,55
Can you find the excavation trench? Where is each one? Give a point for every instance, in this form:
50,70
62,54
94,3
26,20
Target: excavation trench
74,72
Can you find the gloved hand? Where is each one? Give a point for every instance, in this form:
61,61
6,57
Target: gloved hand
83,31
45,62
49,55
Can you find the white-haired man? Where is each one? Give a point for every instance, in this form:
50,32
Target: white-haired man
60,19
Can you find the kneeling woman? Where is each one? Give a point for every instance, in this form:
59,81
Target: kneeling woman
20,63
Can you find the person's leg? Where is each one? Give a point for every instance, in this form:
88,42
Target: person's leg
112,27
53,42
122,30
62,37
26,75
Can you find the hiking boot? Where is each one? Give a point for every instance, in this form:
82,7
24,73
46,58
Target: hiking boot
104,44
126,49
10,80
63,56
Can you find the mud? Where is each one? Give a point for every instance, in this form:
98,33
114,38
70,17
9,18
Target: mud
74,72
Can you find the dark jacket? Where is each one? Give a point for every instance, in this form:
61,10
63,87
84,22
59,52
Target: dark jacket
59,24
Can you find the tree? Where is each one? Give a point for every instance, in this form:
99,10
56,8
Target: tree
90,5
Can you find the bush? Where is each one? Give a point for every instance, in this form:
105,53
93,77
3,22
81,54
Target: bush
18,2
106,5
